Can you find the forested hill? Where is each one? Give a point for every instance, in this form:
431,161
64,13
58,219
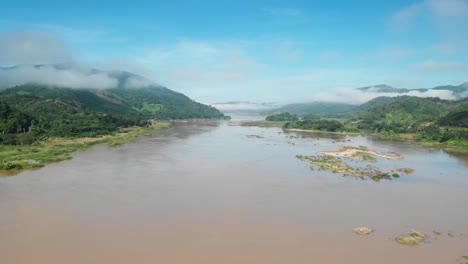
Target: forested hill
406,114
316,108
457,117
40,110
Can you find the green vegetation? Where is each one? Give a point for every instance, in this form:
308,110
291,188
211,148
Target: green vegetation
161,103
319,125
404,115
40,124
285,116
431,122
319,109
14,159
359,155
457,117
411,239
31,113
406,170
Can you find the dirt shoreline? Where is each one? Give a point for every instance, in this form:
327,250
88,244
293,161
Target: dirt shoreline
348,152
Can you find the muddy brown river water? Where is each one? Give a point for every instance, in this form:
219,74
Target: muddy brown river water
205,192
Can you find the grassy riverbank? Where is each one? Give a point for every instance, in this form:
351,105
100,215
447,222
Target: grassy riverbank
14,159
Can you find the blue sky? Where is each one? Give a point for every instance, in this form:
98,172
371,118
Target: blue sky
263,51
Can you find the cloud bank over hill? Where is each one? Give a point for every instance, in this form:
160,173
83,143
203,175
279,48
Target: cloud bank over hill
354,96
44,58
76,77
50,75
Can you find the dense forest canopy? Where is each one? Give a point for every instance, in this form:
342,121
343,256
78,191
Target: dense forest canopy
282,117
429,118
319,125
31,112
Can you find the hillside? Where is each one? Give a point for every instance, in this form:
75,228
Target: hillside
33,111
103,91
358,111
162,103
458,117
316,108
402,114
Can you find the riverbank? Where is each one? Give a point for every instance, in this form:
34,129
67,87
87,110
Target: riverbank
453,146
263,123
321,131
15,159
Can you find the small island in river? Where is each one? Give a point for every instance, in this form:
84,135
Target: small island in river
334,161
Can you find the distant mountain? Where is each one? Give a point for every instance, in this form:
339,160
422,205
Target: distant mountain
383,88
315,108
458,92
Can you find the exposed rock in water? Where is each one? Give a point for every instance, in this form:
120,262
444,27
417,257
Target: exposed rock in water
362,230
406,170
254,136
411,239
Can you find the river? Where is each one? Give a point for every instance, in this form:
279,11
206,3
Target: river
205,192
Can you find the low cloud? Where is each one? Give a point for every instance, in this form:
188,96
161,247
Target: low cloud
449,16
33,48
353,96
135,82
235,106
329,56
431,66
403,18
76,77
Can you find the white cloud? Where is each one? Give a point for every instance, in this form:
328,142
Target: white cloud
447,48
32,48
49,75
448,8
244,106
129,64
431,66
404,17
353,96
329,56
446,14
190,64
394,54
289,51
